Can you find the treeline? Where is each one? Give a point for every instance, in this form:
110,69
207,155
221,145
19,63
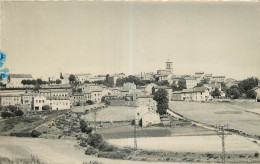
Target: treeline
40,82
244,87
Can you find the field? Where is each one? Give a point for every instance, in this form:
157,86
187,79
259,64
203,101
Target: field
113,113
201,144
232,113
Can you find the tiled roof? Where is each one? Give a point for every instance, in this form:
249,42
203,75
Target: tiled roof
187,90
20,76
11,95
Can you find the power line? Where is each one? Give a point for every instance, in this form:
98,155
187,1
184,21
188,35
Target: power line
221,133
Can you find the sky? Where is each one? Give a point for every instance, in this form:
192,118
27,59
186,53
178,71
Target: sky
46,38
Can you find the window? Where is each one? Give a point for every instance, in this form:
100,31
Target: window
36,101
42,101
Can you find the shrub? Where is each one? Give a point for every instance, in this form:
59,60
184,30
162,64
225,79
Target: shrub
89,102
95,140
112,155
21,134
7,114
83,144
256,154
106,147
35,133
18,113
90,150
88,130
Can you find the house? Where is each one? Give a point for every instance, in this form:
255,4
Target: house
96,95
97,78
56,103
39,102
176,95
54,92
87,96
146,100
59,103
83,77
149,88
190,82
196,94
168,89
219,79
146,116
15,80
27,99
129,86
147,76
11,99
77,98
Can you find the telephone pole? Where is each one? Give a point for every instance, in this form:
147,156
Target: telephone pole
221,134
135,141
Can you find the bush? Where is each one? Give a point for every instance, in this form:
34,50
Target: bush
83,144
90,150
95,140
7,114
256,154
21,134
18,113
35,134
88,130
106,147
112,155
89,102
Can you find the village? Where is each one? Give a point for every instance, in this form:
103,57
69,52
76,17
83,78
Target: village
119,107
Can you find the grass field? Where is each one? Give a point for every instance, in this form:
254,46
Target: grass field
113,113
202,144
232,113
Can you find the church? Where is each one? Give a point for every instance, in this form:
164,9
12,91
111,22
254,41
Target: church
165,74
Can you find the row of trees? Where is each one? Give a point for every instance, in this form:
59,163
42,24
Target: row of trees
39,82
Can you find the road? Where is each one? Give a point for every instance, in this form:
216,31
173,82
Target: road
213,113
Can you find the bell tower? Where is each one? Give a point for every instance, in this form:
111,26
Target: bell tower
169,65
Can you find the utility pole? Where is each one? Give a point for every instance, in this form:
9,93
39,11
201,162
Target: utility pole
135,141
221,134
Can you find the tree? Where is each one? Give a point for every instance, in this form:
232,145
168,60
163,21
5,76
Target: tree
61,77
7,114
251,94
107,78
174,87
18,113
162,100
119,82
233,93
58,81
72,79
247,84
39,81
163,83
182,84
46,107
215,93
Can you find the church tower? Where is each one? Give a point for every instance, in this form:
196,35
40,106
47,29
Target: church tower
169,65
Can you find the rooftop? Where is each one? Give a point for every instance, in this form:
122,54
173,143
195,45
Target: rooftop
20,76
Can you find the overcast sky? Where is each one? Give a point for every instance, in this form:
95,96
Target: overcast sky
45,38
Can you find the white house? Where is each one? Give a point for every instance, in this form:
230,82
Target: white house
190,82
146,116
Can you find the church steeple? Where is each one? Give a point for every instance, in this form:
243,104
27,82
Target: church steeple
169,65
